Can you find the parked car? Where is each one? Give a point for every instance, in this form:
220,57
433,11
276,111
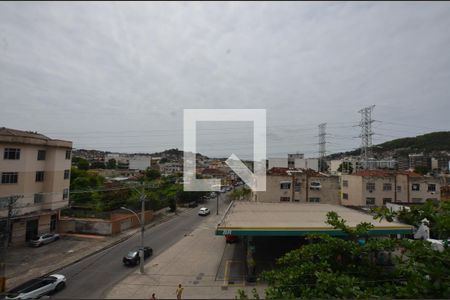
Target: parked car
43,239
230,239
38,287
133,259
203,211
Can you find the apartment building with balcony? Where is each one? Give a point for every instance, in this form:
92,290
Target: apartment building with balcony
378,187
37,170
299,185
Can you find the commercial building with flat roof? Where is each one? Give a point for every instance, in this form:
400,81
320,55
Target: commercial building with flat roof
296,219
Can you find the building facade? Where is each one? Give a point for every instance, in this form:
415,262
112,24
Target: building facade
35,169
299,185
140,162
378,187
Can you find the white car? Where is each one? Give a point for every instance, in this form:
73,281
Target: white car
203,211
38,287
39,240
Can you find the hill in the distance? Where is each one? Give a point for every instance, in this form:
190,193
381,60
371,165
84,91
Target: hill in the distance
427,143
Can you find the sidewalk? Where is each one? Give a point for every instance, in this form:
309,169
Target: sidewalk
24,263
193,262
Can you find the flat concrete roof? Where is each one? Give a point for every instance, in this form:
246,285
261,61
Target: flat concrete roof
296,219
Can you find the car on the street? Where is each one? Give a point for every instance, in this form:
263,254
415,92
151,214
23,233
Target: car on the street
132,258
38,287
39,240
204,211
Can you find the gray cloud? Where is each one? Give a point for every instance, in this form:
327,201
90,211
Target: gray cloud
79,70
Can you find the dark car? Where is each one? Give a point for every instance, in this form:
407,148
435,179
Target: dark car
133,259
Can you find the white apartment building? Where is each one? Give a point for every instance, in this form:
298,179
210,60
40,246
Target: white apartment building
140,162
37,170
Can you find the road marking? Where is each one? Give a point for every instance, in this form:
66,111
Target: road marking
226,278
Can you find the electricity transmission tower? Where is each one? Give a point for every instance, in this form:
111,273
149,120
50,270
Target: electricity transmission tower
366,134
322,143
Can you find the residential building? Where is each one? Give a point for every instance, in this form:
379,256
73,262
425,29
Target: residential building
170,168
419,160
140,162
37,170
378,187
307,163
292,158
299,185
277,163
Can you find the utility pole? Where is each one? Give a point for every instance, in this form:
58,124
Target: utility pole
322,144
141,251
366,134
217,202
5,234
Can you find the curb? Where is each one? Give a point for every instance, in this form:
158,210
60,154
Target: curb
115,243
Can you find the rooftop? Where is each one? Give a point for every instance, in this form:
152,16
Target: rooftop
295,219
384,173
285,172
14,136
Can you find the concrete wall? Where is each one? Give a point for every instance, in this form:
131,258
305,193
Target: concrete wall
115,225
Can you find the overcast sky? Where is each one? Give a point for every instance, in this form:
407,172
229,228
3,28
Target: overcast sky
117,76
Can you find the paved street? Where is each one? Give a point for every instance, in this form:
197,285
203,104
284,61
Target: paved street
95,275
202,262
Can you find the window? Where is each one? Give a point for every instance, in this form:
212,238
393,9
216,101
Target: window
9,177
387,200
41,155
65,194
399,188
11,153
39,176
38,198
370,201
66,174
345,196
285,199
68,154
370,186
345,183
285,185
315,185
298,186
314,199
431,187
417,200
415,187
387,187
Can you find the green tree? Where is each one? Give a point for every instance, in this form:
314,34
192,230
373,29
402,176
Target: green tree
152,174
346,166
422,170
98,165
111,164
83,164
238,194
331,267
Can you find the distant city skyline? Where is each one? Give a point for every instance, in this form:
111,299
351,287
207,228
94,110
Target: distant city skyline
117,76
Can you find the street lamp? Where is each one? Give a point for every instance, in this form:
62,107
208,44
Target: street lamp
141,250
